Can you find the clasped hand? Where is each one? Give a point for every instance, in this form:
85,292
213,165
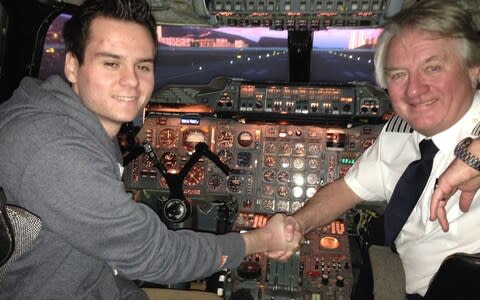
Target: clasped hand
287,237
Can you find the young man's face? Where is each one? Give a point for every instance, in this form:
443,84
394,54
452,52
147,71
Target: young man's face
116,78
428,84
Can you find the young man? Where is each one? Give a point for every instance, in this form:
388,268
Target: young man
427,58
60,160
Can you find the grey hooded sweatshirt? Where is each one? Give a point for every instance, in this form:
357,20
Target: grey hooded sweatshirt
57,161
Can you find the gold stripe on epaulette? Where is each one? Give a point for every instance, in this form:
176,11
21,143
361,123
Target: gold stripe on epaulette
397,124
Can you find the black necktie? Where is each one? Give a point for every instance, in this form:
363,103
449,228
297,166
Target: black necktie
407,191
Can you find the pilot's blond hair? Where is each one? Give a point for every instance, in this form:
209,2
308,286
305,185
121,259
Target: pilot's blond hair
445,18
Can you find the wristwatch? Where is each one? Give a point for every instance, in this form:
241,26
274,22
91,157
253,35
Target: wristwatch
461,152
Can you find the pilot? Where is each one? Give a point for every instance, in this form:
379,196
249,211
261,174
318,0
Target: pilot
427,58
60,160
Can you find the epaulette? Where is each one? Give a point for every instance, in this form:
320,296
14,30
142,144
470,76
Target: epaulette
397,124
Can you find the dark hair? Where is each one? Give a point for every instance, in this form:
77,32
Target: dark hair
446,19
76,30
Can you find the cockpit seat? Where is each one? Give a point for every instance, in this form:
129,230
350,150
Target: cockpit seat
456,279
18,230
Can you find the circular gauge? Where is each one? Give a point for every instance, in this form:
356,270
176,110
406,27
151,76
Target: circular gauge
191,138
225,156
267,204
314,149
195,176
270,148
298,178
268,190
225,138
298,163
285,149
310,192
215,182
282,191
313,163
329,242
244,159
299,149
269,161
234,183
297,192
283,177
147,162
269,175
169,160
285,162
245,139
312,179
296,205
167,138
282,205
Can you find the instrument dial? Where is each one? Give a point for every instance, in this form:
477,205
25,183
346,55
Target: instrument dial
299,149
314,149
195,176
285,149
269,161
225,156
234,183
244,159
245,139
167,138
270,148
191,138
283,177
169,160
269,175
215,182
225,138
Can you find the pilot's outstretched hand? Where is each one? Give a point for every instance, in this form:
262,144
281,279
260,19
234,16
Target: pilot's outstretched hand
272,238
292,235
458,176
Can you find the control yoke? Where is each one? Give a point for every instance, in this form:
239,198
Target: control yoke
177,209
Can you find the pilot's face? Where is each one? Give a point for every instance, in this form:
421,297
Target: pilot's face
428,83
116,78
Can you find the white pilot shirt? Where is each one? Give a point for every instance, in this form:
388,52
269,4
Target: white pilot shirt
421,244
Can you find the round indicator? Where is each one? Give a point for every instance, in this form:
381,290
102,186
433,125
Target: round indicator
167,138
269,175
268,190
191,138
283,177
312,179
310,192
269,161
298,179
282,191
299,149
195,176
234,183
225,138
225,156
329,242
244,159
270,148
298,163
245,139
169,160
285,149
314,149
215,182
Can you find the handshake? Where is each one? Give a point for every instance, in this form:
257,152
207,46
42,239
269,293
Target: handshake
279,239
